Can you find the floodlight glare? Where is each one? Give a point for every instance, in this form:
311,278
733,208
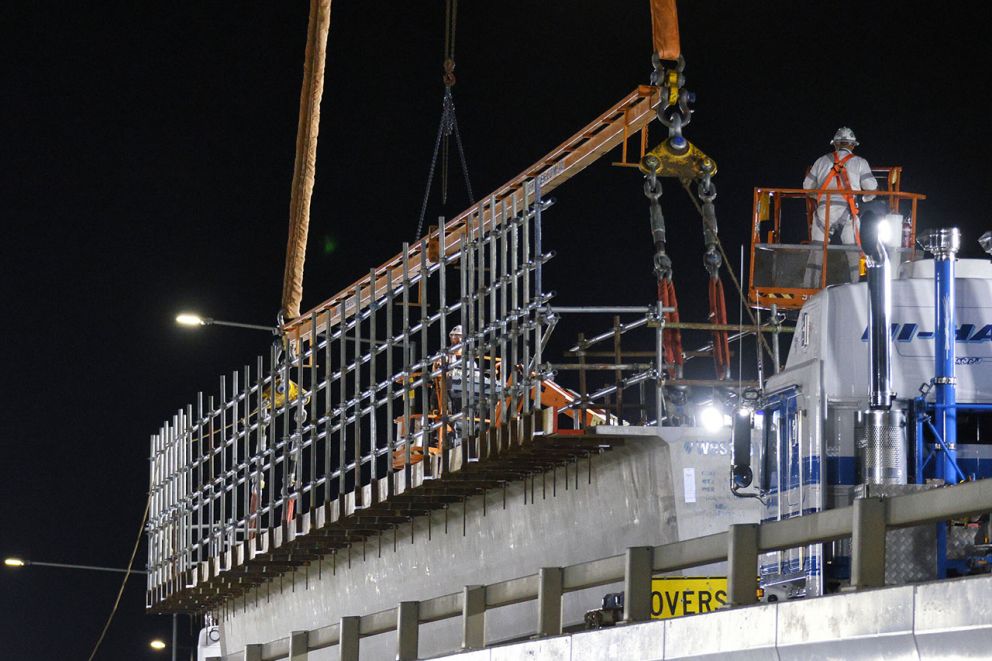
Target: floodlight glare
188,319
884,229
711,418
14,562
157,644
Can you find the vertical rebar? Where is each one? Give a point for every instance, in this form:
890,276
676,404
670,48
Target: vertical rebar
222,531
258,472
328,406
538,248
468,338
312,423
515,307
235,430
270,509
286,439
617,360
526,311
390,376
506,368
357,375
442,395
201,524
373,378
463,305
491,323
245,463
583,386
342,409
407,424
425,366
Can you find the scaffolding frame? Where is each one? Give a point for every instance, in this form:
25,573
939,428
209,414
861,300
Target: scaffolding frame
319,445
336,415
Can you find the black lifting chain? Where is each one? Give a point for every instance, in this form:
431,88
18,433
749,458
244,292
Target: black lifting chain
652,191
707,194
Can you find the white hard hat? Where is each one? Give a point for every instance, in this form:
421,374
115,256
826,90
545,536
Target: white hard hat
844,134
457,330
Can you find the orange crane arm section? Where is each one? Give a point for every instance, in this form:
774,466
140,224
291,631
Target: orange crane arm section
665,29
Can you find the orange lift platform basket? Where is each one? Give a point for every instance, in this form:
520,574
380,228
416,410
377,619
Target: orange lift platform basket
787,267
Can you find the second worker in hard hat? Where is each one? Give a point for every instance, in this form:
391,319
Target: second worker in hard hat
839,170
462,374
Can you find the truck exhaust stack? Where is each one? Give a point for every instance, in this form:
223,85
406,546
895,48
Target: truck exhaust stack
884,446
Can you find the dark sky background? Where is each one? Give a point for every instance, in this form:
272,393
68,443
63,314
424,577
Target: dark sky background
147,153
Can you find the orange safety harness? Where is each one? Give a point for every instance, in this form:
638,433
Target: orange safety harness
839,172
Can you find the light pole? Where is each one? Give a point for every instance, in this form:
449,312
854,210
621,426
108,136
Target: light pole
193,320
17,563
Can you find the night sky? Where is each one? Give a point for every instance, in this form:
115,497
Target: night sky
147,156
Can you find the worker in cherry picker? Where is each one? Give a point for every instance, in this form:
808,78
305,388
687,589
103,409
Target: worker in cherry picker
838,170
458,373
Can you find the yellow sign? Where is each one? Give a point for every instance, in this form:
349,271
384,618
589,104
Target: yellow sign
675,596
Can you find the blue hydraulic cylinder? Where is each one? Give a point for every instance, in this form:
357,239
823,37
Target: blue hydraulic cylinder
945,380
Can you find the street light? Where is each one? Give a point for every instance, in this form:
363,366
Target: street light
21,562
157,644
193,320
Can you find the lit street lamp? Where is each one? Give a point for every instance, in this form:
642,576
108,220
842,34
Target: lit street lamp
157,644
21,562
194,320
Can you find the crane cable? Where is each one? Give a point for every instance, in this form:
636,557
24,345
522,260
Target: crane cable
449,122
127,575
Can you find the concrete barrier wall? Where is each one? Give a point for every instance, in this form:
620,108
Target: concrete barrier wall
637,496
942,620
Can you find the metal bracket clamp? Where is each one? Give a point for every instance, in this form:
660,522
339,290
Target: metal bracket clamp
677,157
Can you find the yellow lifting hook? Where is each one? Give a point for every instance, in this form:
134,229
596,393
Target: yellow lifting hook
677,157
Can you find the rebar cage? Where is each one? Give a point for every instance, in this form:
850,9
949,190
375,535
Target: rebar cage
359,390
